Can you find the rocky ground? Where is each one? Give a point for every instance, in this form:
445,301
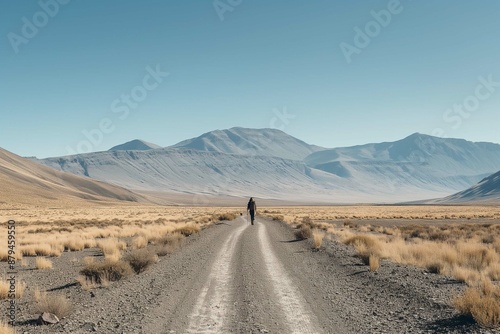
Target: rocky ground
237,278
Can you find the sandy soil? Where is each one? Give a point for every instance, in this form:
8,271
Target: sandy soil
238,278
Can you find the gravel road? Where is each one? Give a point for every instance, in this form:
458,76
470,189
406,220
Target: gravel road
237,278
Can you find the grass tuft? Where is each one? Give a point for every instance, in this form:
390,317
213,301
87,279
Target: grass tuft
140,260
55,304
318,236
303,232
43,263
188,229
482,303
107,271
139,242
5,328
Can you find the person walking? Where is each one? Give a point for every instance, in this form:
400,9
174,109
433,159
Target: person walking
252,208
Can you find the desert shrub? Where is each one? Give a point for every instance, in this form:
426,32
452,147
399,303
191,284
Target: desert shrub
5,288
107,271
226,216
488,239
435,267
43,263
303,232
111,248
188,229
366,246
307,220
278,218
349,224
480,303
374,262
163,250
5,328
74,244
175,238
465,275
55,304
139,242
169,243
141,259
317,236
475,256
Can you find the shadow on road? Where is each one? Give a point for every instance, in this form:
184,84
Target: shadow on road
30,322
294,240
358,273
62,287
222,223
460,322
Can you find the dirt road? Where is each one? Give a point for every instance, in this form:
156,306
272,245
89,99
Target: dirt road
238,278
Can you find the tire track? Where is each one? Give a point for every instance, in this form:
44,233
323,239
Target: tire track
212,307
298,318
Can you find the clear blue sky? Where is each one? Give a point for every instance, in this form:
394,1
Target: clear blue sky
264,56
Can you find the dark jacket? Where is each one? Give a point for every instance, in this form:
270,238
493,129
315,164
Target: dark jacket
252,206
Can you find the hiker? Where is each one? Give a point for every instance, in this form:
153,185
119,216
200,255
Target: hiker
252,207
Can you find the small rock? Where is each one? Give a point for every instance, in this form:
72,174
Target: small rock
89,327
47,318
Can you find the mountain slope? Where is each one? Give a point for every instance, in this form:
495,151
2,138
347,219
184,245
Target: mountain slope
239,163
263,142
487,190
212,173
135,145
194,172
417,156
27,182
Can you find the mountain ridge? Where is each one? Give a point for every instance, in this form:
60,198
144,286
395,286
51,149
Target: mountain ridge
246,141
486,190
239,161
135,145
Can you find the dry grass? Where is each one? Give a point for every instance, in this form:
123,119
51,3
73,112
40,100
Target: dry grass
374,262
365,212
317,236
111,248
139,242
227,216
303,231
188,229
141,259
482,303
74,244
466,247
43,263
55,304
5,328
4,289
107,271
169,243
367,247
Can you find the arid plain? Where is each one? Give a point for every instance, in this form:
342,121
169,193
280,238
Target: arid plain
65,254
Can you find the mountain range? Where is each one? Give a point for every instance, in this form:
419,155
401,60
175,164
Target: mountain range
270,164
